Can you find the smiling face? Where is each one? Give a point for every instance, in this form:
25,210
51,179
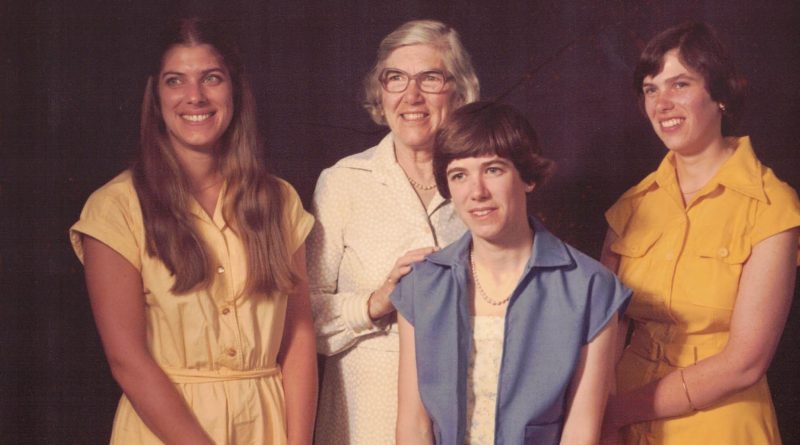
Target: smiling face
490,197
680,107
412,115
196,97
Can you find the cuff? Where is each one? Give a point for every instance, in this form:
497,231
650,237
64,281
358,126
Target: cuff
355,314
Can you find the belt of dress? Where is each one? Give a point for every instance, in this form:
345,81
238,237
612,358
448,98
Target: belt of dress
183,375
679,355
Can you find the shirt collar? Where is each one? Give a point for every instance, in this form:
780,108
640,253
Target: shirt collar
388,171
741,172
217,218
547,250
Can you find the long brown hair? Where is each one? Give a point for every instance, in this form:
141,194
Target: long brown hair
253,201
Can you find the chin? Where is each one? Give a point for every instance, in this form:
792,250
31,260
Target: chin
485,233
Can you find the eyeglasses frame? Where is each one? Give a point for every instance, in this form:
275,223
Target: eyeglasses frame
415,77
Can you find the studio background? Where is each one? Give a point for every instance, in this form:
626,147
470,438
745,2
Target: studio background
73,74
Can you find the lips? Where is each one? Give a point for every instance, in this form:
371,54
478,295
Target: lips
671,123
417,116
196,118
481,212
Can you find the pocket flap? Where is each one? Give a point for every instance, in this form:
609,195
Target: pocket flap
729,249
635,244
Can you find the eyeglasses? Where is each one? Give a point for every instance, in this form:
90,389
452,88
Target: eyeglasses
396,81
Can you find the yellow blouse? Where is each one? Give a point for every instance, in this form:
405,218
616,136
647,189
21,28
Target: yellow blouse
683,264
218,345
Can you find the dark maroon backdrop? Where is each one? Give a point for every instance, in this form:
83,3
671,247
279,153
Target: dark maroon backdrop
72,79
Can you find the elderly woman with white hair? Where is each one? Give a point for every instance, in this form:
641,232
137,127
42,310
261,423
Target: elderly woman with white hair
378,212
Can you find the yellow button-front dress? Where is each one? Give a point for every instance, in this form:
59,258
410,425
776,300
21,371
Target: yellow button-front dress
217,345
683,264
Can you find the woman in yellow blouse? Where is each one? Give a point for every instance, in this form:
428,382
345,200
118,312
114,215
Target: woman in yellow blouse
707,243
195,264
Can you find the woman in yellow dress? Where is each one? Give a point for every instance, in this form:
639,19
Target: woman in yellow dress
195,264
707,243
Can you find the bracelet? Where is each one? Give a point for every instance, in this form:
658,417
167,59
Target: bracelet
686,390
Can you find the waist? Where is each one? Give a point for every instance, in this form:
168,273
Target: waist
182,375
679,354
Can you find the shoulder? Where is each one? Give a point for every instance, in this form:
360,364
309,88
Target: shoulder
567,263
620,213
342,173
287,190
429,274
778,192
351,175
364,160
638,190
118,192
293,210
588,266
113,216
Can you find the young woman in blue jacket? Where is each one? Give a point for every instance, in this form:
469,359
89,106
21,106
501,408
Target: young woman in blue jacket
507,335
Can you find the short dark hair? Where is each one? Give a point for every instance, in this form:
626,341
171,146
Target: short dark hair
700,49
489,128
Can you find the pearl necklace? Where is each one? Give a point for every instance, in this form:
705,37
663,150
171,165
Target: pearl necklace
484,296
419,186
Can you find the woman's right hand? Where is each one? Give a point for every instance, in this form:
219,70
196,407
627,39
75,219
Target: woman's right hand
379,304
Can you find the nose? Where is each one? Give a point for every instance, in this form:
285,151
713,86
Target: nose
663,102
195,93
478,190
412,94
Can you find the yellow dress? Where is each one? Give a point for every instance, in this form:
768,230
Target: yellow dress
683,265
217,345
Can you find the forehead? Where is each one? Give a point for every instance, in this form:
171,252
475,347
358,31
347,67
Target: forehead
673,65
413,58
477,161
191,57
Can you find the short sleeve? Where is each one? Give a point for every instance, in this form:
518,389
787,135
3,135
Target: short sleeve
618,215
608,297
403,297
113,217
298,221
780,213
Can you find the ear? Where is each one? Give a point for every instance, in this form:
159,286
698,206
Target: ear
529,187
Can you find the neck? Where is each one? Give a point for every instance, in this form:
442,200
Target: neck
201,169
501,257
416,163
696,169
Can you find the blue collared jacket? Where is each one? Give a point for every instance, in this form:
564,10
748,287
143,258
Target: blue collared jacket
563,299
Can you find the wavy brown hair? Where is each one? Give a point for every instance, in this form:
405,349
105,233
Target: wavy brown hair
253,201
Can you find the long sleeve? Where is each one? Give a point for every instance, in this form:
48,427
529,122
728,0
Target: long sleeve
340,317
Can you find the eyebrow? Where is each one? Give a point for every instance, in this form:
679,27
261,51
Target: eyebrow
673,79
497,160
427,70
204,72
